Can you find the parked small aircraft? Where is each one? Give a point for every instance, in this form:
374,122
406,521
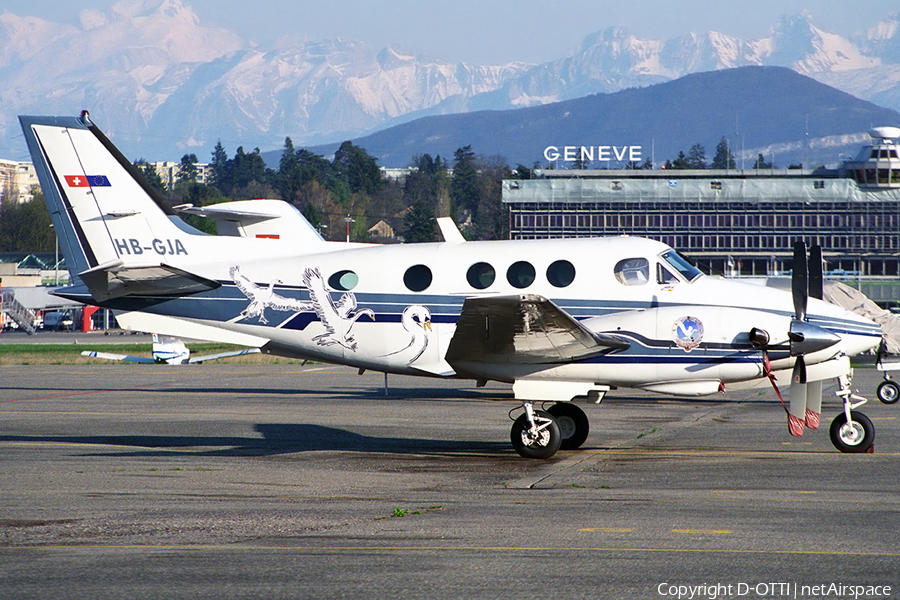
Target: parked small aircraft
559,319
169,351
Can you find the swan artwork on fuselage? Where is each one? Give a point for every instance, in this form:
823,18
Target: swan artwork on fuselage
416,320
338,317
262,298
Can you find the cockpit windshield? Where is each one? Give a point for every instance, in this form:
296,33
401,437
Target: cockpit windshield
682,265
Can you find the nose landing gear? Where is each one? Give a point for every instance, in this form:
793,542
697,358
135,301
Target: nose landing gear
851,431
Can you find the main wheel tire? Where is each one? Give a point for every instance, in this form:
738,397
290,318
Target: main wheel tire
573,424
547,442
856,436
888,391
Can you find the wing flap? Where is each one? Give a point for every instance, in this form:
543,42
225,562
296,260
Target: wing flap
524,329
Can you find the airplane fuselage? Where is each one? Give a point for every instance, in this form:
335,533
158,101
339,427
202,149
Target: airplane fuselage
688,332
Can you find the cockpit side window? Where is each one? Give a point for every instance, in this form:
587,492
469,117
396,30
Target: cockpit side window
681,264
664,276
633,271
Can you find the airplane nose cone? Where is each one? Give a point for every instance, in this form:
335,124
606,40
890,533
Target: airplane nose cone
857,334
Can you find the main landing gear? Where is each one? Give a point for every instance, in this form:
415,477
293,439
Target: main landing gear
888,391
851,431
539,434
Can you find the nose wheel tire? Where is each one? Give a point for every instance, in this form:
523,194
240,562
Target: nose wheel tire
541,441
856,436
888,391
573,424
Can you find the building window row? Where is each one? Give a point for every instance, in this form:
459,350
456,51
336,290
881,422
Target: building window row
613,222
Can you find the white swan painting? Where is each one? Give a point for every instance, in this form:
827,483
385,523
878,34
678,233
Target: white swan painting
262,298
337,317
416,319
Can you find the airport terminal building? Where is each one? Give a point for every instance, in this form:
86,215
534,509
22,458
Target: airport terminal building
733,222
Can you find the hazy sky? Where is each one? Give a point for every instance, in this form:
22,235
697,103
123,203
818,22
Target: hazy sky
489,31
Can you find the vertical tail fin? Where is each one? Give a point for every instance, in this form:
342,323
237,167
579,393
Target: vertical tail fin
113,228
102,208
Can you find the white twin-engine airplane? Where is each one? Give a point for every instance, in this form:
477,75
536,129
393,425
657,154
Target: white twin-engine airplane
559,319
168,351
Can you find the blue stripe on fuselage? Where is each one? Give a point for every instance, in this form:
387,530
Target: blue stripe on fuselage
227,302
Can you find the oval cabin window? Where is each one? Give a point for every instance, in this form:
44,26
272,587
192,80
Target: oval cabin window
417,278
561,273
343,281
520,274
481,275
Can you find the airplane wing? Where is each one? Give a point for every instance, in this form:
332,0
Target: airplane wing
145,360
200,359
524,329
122,357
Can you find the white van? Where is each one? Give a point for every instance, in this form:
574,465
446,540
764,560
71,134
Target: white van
58,320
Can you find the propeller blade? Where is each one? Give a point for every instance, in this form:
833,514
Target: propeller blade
813,404
816,275
799,281
799,375
797,412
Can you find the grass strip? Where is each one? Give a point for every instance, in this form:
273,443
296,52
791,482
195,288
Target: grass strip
70,354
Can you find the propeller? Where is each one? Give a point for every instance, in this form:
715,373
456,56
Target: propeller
807,281
800,281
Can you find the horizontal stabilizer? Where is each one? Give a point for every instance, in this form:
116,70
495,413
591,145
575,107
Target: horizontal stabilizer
270,219
524,329
114,280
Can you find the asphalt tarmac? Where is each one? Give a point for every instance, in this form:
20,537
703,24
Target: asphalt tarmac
282,481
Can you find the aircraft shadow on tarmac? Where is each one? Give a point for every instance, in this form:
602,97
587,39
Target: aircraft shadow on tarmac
417,393
275,439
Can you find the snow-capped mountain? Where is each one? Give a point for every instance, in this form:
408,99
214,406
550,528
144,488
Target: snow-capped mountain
316,91
615,59
162,83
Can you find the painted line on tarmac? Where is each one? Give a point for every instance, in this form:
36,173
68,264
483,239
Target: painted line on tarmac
410,548
704,531
714,453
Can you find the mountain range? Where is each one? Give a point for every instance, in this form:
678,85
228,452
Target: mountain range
795,120
161,83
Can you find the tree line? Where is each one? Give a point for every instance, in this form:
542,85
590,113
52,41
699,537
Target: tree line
351,187
695,158
723,159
